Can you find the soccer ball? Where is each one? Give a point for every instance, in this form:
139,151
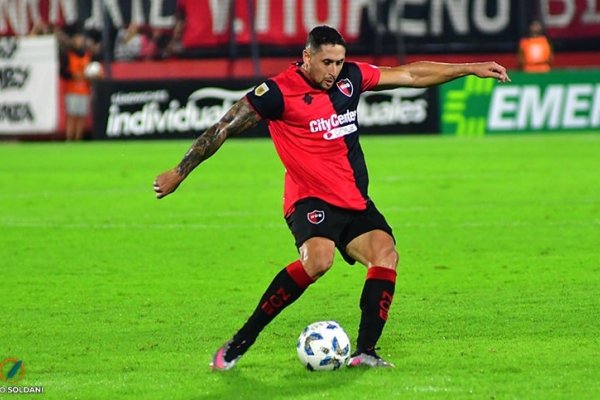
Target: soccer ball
93,70
323,346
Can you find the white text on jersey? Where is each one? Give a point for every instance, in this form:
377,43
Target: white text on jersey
334,121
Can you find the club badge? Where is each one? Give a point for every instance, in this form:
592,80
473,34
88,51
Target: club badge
345,86
315,216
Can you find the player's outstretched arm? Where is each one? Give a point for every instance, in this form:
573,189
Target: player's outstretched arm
240,117
428,73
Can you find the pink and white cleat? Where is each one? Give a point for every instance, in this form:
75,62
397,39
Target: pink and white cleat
219,363
370,360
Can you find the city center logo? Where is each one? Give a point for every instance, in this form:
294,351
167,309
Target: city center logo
12,370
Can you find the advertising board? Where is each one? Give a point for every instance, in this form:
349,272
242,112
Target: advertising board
566,100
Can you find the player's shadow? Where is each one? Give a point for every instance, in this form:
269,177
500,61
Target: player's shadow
236,384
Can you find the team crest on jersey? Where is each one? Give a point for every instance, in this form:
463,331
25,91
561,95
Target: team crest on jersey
346,87
315,216
261,89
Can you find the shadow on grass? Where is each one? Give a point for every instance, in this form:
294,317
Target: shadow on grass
239,384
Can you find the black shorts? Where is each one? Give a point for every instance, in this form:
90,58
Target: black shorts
313,217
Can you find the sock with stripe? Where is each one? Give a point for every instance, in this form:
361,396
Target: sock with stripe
287,286
375,301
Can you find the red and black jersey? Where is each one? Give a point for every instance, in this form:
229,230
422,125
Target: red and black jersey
315,132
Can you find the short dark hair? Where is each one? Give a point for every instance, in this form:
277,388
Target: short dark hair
324,34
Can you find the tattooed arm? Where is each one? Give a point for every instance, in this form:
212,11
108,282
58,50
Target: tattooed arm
240,117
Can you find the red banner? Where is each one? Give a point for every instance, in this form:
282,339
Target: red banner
464,24
276,22
208,22
571,18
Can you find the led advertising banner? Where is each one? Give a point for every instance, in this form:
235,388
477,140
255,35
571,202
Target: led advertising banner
567,100
185,108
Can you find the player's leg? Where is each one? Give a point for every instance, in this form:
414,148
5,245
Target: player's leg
79,128
316,257
83,110
370,241
70,127
376,250
70,120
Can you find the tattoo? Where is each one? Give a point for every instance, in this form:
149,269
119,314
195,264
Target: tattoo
240,117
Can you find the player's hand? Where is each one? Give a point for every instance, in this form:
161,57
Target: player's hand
491,70
166,183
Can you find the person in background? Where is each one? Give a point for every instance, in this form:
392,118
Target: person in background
175,45
535,52
128,44
74,59
93,43
191,32
41,28
154,42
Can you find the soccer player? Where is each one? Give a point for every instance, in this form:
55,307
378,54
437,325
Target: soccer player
310,109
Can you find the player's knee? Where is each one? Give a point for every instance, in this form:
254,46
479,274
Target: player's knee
318,264
316,255
388,257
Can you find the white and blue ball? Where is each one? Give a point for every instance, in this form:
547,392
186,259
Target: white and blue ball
323,346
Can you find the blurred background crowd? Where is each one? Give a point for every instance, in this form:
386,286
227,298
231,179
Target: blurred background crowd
128,30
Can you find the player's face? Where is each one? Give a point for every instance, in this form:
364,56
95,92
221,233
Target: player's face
324,65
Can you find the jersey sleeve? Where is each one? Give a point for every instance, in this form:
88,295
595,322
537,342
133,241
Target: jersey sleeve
370,76
267,100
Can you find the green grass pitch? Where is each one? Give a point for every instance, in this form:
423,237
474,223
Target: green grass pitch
109,293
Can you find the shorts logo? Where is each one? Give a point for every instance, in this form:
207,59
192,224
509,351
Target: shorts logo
315,216
346,87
